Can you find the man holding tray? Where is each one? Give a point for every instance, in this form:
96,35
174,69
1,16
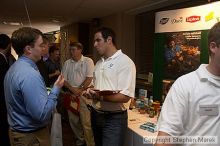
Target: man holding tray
114,84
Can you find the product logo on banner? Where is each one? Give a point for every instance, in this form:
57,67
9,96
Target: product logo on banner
209,17
193,19
177,20
164,21
188,19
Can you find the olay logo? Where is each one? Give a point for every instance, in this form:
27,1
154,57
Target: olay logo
164,20
177,20
193,19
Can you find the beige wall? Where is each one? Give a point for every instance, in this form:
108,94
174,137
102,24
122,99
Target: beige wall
122,24
124,27
128,35
68,33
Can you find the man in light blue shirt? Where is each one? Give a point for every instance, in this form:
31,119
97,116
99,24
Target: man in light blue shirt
28,104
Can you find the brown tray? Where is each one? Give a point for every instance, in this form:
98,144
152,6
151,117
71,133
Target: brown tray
107,92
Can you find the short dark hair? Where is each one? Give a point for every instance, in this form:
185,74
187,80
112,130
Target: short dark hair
53,48
106,32
24,36
214,35
4,41
45,39
76,44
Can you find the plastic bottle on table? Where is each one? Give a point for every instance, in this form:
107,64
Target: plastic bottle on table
150,103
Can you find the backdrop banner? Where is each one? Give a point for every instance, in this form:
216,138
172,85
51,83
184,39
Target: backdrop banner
188,19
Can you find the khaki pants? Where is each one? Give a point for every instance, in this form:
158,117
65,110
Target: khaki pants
37,138
81,124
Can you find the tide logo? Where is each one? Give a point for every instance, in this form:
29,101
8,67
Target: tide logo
164,21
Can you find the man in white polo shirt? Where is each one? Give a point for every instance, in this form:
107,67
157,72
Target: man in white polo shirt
115,71
191,107
78,72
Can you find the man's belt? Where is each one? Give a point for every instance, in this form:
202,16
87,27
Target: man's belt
30,131
106,112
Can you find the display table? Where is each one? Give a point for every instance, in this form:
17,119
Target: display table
135,135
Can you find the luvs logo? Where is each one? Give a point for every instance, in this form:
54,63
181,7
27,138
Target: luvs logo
193,19
177,20
164,20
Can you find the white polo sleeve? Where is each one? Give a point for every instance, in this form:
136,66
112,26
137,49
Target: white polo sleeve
64,70
175,110
127,78
89,67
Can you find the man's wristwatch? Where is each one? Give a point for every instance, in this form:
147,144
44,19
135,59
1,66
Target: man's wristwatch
100,98
82,86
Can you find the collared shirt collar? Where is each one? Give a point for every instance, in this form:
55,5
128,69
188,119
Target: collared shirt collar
119,52
81,59
205,75
29,61
202,71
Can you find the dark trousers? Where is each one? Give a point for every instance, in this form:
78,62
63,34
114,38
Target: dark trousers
109,129
4,135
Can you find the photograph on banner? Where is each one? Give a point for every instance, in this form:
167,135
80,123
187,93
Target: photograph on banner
181,53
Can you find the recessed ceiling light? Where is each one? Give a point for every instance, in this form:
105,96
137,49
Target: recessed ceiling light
55,20
13,23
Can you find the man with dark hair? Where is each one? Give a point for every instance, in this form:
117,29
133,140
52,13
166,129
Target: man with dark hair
78,72
28,104
116,73
53,64
191,107
106,32
5,45
41,64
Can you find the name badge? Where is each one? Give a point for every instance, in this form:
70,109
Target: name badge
208,110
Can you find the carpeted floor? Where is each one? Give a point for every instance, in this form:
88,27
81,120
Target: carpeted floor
68,137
